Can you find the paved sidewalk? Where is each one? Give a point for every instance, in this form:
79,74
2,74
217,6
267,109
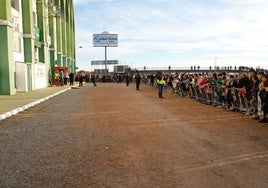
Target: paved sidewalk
13,104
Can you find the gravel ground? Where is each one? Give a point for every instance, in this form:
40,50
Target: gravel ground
115,136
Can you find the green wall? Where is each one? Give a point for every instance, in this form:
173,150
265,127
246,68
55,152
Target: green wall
7,76
59,26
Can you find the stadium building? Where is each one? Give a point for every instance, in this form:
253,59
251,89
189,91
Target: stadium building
37,37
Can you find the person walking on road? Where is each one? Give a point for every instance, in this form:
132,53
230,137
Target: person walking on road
138,81
81,79
93,79
71,77
127,80
160,84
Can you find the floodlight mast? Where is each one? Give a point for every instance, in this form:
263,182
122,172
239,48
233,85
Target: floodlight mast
105,71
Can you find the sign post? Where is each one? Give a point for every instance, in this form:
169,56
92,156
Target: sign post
106,71
105,40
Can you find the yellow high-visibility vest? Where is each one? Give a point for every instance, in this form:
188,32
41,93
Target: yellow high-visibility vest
161,80
57,75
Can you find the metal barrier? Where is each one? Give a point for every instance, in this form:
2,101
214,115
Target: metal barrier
221,96
233,99
229,98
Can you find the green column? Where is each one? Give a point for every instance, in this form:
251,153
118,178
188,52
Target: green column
73,37
64,48
71,33
64,37
65,34
42,24
59,40
7,66
53,47
68,35
28,40
72,65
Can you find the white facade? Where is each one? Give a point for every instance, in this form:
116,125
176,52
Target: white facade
40,75
20,72
23,70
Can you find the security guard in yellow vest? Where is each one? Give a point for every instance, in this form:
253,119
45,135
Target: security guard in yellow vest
160,84
57,78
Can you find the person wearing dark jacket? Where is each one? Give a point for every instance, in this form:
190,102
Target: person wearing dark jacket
254,93
230,91
81,80
93,79
138,81
127,79
71,77
244,82
263,86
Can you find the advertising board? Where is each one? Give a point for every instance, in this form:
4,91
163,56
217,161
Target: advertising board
109,62
105,40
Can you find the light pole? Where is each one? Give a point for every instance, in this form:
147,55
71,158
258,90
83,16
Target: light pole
76,62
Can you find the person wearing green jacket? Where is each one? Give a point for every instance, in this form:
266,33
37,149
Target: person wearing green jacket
219,89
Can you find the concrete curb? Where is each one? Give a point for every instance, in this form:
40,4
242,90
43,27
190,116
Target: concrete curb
24,107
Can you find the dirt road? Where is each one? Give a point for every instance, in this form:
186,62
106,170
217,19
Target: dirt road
115,136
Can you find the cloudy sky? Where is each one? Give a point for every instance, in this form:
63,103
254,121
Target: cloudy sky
179,33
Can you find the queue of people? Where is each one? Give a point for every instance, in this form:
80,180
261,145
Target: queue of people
245,92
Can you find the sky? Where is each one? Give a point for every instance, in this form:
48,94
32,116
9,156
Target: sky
176,33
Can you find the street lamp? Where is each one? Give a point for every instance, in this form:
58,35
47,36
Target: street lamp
75,68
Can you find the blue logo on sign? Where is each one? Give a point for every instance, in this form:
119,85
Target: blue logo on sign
96,38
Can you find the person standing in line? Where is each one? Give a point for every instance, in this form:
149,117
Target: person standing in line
138,81
160,84
263,86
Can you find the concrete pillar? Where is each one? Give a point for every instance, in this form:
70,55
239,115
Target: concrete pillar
28,41
44,51
59,40
42,16
72,21
7,66
53,47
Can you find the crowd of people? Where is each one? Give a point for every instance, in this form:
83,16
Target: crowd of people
244,92
62,77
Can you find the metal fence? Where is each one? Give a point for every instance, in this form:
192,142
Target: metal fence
233,99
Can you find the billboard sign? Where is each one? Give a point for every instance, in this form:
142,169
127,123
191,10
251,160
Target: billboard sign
120,68
109,62
105,40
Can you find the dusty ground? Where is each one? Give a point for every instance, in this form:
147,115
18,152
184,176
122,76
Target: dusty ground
114,136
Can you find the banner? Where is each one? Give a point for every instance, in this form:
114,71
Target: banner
109,62
105,40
